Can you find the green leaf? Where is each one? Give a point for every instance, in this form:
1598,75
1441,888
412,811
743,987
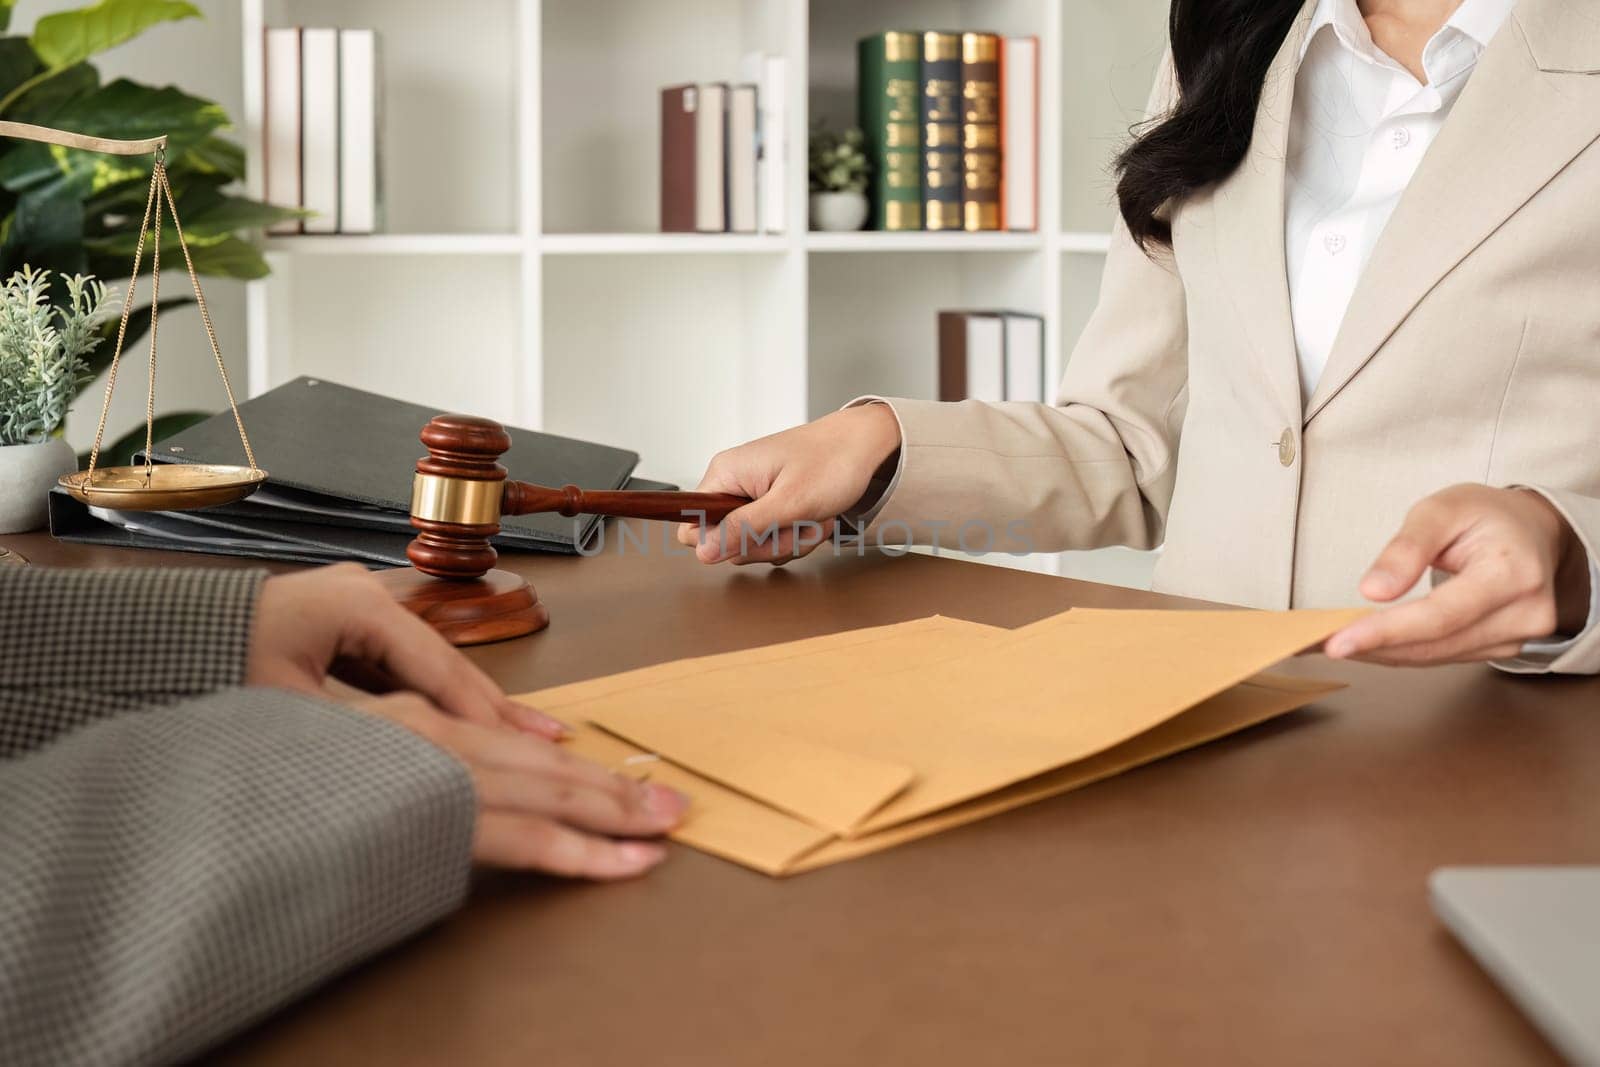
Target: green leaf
230,257
5,13
70,37
121,451
126,109
17,63
214,155
46,231
230,214
122,109
40,104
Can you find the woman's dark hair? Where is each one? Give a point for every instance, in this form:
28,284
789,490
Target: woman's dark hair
1221,50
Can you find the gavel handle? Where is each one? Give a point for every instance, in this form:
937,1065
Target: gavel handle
523,498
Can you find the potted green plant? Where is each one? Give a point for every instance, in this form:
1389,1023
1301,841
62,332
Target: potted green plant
71,212
44,351
838,180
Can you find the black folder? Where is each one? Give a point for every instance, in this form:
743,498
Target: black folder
340,463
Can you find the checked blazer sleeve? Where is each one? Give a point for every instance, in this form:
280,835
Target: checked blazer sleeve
76,646
170,877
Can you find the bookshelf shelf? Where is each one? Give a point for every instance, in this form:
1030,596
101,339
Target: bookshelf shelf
617,244
398,244
871,241
521,150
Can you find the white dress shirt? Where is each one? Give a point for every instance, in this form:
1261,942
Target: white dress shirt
1360,127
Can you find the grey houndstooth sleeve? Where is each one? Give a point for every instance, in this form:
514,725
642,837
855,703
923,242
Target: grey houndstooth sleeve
80,645
170,877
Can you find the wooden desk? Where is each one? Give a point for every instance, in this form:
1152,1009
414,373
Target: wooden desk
1260,900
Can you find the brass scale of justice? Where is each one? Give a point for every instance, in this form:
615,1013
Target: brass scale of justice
459,493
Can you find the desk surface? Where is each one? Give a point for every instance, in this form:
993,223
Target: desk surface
1261,899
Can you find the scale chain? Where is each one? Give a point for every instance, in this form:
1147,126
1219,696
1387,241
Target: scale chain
122,330
160,187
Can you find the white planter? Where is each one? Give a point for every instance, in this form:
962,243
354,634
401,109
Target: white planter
838,212
26,474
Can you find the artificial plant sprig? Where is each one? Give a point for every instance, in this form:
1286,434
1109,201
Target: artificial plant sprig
43,349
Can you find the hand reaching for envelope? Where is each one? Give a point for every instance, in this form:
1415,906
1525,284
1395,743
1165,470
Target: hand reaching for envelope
1518,573
540,807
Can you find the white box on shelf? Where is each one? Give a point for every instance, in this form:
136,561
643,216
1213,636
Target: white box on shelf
319,128
360,123
280,148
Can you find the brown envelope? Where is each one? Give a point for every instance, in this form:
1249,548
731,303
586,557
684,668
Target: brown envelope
812,752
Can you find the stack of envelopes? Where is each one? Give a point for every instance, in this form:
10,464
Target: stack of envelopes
807,753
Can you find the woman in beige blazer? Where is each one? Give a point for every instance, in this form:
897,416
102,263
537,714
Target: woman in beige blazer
1341,345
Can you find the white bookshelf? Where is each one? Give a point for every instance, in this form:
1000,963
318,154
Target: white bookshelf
521,276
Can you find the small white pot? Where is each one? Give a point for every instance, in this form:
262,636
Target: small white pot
838,212
26,474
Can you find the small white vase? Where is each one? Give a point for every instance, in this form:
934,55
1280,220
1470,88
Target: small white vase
26,474
838,212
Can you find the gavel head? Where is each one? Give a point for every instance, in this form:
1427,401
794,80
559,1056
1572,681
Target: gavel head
455,498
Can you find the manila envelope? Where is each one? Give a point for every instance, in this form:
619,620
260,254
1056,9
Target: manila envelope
811,752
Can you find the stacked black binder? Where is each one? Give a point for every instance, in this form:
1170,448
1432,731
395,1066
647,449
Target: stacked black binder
340,463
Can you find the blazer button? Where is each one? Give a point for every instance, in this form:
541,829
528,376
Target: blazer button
1286,447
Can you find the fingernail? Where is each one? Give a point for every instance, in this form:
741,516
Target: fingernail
664,800
642,853
554,726
1339,646
1378,581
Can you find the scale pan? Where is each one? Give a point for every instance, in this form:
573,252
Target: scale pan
164,487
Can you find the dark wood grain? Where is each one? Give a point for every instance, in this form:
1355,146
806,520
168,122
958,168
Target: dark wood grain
523,498
1258,900
495,607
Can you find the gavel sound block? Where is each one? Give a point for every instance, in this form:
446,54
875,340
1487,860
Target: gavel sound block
458,497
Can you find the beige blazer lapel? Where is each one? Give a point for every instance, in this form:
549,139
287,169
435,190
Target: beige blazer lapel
1249,212
1532,105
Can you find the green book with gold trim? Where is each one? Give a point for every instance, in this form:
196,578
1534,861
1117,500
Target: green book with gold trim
890,85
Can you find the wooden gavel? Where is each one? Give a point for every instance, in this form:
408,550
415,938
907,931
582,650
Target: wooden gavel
458,497
461,492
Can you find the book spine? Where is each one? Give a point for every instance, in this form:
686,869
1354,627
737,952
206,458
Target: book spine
1019,138
678,106
360,118
281,123
941,130
711,159
890,76
319,139
952,356
742,161
980,132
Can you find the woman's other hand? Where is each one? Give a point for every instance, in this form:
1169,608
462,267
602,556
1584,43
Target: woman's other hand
539,806
799,482
1518,574
339,622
